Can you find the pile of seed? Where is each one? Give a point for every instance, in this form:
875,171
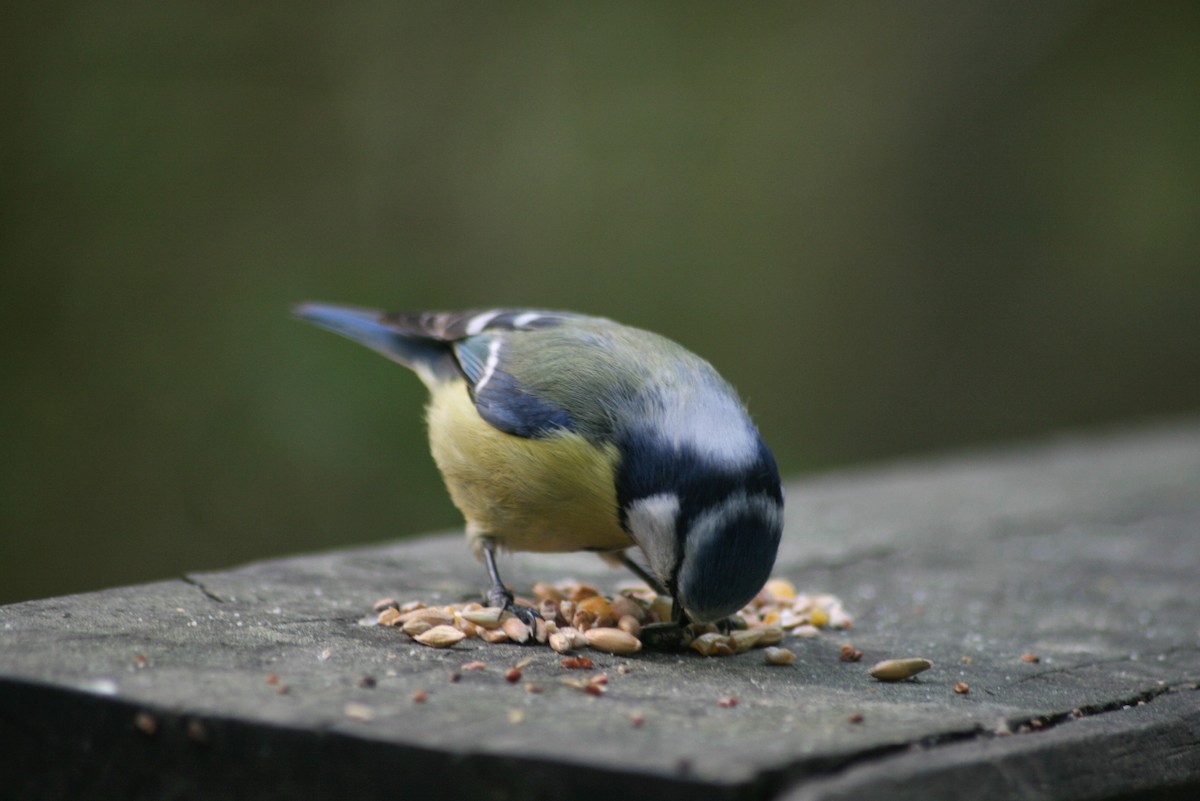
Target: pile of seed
575,615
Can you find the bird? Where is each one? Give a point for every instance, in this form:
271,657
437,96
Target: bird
558,431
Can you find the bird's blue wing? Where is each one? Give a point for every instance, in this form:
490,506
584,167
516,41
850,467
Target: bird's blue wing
501,399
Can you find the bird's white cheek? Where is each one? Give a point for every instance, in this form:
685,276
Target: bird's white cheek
652,523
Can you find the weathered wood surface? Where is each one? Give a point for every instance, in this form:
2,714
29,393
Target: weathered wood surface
1084,551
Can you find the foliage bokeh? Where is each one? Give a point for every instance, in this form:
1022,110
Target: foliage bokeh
896,227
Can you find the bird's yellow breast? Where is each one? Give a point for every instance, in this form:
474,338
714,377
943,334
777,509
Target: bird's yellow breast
554,493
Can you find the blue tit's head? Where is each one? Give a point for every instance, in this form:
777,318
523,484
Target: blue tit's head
728,552
708,523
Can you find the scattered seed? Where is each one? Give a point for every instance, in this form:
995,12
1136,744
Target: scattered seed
476,665
856,718
727,702
613,641
488,617
455,678
513,675
623,669
1033,659
146,723
357,711
637,718
432,615
197,732
577,663
630,625
366,682
416,627
516,629
516,716
849,653
390,616
384,603
899,669
440,637
962,688
532,688
140,661
779,656
491,635
420,696
272,678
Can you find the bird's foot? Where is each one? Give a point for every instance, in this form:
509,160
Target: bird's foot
665,636
500,597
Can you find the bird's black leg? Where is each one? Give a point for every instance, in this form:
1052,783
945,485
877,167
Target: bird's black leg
641,572
499,595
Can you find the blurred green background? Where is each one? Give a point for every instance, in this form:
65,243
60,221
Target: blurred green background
896,227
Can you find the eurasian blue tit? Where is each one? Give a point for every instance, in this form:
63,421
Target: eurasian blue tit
556,431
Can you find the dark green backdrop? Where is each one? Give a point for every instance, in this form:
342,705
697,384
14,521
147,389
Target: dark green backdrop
896,227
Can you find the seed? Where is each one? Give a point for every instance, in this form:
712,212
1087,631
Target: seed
272,678
384,603
516,629
411,605
440,637
637,718
772,635
962,688
390,616
145,722
727,702
623,606
546,592
818,617
613,641
745,639
416,627
532,688
660,608
549,610
419,696
1032,659
430,614
580,591
516,716
856,718
488,617
357,711
780,589
577,663
197,732
583,620
491,635
806,631
367,682
712,643
560,642
476,665
849,653
779,656
598,606
578,638
899,669
513,675
630,625
541,632
465,626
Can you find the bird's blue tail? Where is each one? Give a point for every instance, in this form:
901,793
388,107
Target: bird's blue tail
432,359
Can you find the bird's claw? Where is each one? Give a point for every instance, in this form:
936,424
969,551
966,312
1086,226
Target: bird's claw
502,598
